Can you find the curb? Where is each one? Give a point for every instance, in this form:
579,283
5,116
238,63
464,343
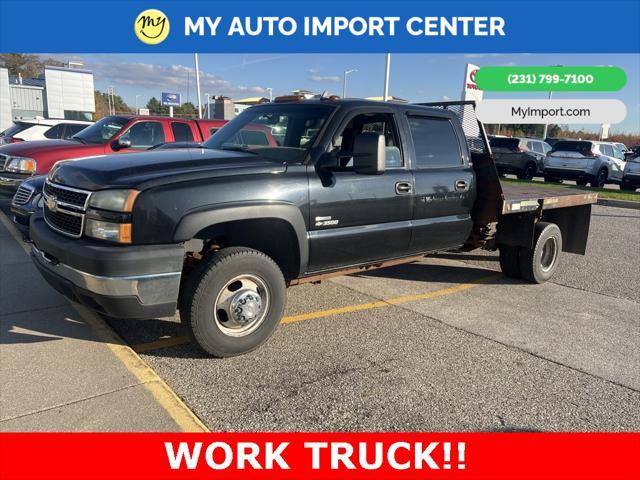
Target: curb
608,202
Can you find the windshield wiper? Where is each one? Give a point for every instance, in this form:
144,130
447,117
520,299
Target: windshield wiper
78,139
238,148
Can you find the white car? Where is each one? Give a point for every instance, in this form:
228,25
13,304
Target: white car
584,161
41,129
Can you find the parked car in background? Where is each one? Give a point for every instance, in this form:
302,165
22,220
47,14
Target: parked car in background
621,146
523,157
631,176
28,197
113,134
41,129
26,200
584,161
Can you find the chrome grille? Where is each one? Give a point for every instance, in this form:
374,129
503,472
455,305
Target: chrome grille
64,208
23,195
66,222
67,196
3,161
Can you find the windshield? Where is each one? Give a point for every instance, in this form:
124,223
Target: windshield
14,129
102,131
281,132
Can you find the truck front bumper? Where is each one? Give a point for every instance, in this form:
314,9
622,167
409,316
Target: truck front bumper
134,282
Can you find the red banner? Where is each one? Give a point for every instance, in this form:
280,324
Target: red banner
325,456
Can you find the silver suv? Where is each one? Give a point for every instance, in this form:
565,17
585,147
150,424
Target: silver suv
523,157
631,178
584,161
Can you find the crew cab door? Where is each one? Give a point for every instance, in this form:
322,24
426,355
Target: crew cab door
444,183
356,218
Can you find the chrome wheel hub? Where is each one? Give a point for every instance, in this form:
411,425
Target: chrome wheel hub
548,254
242,305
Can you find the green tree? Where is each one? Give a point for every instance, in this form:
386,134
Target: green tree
29,66
102,105
155,108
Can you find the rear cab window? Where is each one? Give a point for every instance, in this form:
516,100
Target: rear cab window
181,132
435,142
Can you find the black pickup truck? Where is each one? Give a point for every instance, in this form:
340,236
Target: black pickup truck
220,232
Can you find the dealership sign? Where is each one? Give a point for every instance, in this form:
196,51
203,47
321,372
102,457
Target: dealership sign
171,99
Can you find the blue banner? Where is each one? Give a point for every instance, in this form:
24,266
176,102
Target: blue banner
160,26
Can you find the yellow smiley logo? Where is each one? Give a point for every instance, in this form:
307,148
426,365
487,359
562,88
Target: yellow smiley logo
151,26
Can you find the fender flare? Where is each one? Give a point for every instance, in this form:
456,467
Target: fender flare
197,220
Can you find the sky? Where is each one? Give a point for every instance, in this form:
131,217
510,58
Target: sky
414,77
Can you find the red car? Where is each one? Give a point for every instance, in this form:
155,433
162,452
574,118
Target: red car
114,134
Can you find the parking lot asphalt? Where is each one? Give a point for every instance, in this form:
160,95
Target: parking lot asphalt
444,344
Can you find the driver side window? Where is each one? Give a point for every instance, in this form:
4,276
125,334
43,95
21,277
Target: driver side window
145,135
380,123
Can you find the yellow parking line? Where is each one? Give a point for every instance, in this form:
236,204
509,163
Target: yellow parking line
391,301
161,343
186,420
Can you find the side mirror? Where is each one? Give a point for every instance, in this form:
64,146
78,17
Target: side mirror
369,155
122,143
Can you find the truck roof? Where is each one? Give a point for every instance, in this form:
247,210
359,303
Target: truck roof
360,102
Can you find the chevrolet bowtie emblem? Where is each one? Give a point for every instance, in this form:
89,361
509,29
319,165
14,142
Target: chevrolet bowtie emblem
52,203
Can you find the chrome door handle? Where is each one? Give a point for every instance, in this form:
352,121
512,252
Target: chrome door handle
462,185
403,188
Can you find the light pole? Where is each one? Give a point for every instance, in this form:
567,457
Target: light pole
198,85
137,109
208,95
546,125
344,81
270,90
387,69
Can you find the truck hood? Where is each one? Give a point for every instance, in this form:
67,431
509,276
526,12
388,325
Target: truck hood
34,147
160,167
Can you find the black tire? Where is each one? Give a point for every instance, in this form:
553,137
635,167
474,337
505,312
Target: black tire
628,187
218,275
600,178
529,172
538,264
581,183
510,261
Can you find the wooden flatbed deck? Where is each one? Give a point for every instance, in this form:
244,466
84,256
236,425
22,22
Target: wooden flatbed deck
525,198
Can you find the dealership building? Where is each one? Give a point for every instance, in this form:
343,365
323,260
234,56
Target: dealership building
65,93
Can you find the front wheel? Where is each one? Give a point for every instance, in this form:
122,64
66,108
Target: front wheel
539,263
233,301
628,187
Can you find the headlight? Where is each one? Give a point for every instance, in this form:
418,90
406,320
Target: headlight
114,200
113,232
21,165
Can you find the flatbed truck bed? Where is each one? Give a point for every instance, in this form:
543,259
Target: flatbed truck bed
526,198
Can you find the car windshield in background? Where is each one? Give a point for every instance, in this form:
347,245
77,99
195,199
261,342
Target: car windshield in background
102,131
281,132
14,129
579,147
508,143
